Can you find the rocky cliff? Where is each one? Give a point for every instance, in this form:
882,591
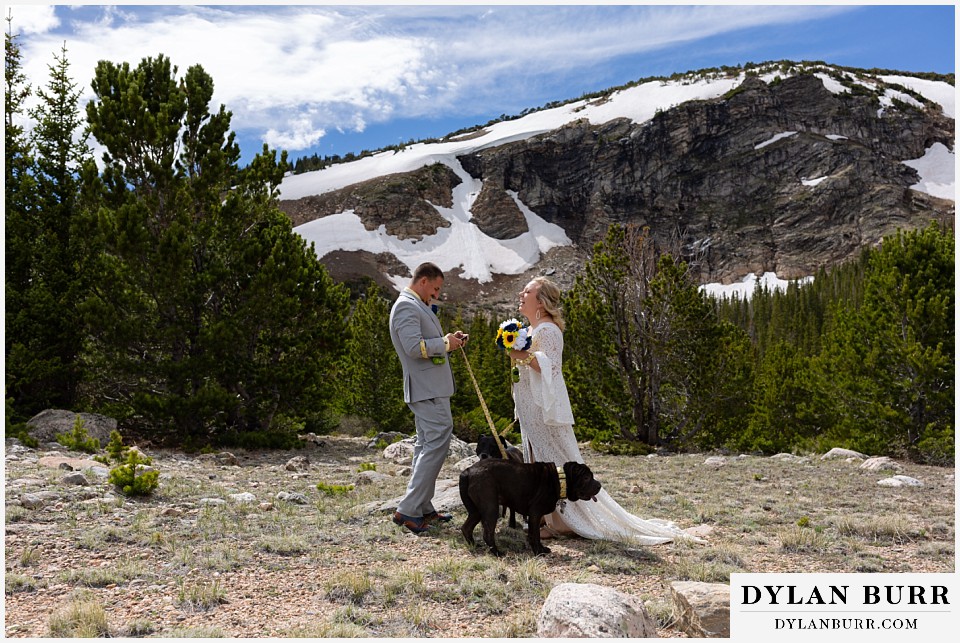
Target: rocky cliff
781,174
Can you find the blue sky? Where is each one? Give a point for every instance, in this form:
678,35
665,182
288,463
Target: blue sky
332,79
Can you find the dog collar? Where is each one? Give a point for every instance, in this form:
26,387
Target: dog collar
563,483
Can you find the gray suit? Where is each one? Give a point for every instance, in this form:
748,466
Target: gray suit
427,387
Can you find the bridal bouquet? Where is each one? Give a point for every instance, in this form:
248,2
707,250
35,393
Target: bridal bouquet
513,336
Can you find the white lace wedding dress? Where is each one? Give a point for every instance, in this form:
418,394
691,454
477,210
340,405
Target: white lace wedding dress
542,407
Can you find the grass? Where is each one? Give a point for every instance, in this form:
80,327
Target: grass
337,568
201,596
13,583
103,576
83,617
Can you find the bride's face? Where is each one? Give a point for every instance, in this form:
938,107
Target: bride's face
528,300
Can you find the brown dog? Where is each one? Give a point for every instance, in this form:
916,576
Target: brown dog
530,489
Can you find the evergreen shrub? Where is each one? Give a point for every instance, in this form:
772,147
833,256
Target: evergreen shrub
132,477
79,439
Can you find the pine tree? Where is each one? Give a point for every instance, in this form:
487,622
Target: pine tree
370,376
644,349
209,316
889,362
47,333
21,227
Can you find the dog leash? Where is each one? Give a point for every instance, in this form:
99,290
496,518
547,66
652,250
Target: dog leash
483,405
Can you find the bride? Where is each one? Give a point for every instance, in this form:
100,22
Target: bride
542,407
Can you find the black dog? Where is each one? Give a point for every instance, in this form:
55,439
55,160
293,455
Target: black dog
530,489
487,448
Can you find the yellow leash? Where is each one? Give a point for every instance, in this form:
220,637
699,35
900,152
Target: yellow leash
483,405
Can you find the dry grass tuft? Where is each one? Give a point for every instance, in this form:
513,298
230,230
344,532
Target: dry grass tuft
83,617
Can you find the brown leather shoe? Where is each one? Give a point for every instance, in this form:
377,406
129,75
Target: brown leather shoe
435,516
413,523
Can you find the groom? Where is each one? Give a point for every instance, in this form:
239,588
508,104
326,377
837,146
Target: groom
427,387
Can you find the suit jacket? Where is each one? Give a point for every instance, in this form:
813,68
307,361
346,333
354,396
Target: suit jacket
417,336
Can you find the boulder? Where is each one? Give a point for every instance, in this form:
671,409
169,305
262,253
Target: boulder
76,478
586,610
300,463
224,458
789,457
75,464
45,426
371,477
385,436
466,463
39,499
900,481
403,450
881,463
835,453
294,497
702,610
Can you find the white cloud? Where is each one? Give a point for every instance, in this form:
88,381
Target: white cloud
301,135
347,67
31,19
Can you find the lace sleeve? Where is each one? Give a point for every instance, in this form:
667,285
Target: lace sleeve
550,391
549,344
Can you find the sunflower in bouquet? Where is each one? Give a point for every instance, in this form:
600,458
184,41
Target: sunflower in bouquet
513,336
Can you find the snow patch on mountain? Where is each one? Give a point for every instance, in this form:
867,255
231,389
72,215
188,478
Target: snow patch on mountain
464,246
937,172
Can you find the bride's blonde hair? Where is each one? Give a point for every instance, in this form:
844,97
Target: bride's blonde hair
548,294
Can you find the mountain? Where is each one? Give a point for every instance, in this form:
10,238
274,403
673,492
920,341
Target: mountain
779,168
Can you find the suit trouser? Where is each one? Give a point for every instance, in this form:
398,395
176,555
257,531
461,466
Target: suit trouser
434,423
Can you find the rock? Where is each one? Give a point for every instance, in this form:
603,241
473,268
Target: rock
880,463
295,497
715,461
224,458
789,457
99,472
385,436
466,463
312,438
400,451
371,477
75,464
699,531
300,463
75,478
265,506
459,450
45,426
403,450
702,610
635,489
404,471
212,501
446,497
171,511
842,453
25,482
900,481
39,499
244,498
586,610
